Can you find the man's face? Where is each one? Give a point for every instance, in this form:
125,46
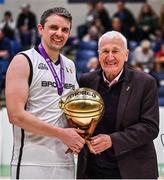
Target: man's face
112,56
55,32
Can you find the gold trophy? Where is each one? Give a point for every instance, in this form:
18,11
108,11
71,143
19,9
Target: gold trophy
83,108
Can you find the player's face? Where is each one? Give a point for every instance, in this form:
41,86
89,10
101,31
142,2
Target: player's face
55,32
112,56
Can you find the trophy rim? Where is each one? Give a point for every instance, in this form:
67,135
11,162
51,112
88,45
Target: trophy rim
89,89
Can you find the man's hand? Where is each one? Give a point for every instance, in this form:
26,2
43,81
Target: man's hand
100,143
71,137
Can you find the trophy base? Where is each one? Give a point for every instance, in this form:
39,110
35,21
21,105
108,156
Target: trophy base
82,122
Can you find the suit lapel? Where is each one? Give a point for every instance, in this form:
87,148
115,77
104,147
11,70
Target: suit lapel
124,97
95,82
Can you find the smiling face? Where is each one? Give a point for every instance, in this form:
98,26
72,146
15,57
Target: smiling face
55,32
112,55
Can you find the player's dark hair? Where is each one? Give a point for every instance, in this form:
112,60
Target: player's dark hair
60,11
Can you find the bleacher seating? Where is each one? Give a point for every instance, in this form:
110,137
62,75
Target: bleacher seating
161,91
15,47
161,101
3,68
82,57
160,77
85,51
90,45
3,65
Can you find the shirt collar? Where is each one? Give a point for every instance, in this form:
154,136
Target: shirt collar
58,60
114,81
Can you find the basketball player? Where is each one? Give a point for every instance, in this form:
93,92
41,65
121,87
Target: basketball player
36,81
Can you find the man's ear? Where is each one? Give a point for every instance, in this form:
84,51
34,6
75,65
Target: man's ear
127,54
40,28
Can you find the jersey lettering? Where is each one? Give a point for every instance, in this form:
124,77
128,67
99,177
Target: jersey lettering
53,84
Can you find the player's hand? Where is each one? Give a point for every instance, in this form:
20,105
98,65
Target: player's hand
71,137
100,143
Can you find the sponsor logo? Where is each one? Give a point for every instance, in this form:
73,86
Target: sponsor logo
69,70
53,84
42,66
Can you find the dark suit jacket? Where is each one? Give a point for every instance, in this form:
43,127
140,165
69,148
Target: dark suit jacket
138,114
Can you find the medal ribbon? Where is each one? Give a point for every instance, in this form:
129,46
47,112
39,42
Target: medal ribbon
59,84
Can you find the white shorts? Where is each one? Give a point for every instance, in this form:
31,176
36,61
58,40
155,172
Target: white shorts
43,172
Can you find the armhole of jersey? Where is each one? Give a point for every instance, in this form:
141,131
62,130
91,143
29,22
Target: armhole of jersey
77,78
22,130
31,69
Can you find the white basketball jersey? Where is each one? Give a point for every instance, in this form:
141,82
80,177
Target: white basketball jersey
43,102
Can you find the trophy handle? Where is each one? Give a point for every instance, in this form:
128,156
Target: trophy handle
61,104
91,129
87,134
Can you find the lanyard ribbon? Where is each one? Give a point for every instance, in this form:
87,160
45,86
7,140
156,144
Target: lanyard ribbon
59,84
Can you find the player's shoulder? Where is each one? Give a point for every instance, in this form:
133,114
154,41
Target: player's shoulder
67,60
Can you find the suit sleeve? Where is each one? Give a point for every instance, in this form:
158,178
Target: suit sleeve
146,129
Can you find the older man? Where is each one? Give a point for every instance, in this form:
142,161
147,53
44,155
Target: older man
122,144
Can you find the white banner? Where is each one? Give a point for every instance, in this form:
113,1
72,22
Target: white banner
158,143
6,138
0,137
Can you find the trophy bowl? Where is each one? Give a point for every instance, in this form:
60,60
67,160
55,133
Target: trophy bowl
83,106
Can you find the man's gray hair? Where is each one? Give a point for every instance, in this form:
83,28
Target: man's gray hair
114,34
